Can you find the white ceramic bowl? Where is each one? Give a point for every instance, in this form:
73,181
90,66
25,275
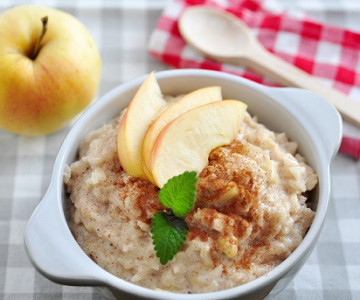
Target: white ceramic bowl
305,117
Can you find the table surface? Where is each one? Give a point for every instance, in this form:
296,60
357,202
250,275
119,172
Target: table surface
121,29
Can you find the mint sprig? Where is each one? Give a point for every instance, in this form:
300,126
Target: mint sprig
168,228
169,234
178,193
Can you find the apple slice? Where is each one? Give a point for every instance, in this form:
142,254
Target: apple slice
141,112
189,101
185,143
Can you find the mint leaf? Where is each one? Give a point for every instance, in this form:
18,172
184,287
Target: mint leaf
168,234
179,193
174,221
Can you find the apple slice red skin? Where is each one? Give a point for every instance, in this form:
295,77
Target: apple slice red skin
185,143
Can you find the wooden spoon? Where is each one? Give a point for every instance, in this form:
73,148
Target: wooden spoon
223,37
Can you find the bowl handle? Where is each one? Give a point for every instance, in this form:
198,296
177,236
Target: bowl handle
52,248
315,113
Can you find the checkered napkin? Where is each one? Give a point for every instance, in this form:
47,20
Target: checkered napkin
330,53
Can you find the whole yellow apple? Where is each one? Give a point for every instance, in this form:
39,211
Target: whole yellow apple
49,69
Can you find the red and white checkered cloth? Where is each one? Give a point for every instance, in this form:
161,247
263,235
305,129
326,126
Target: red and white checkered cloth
330,53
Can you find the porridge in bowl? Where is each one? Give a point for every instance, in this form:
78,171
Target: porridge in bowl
249,215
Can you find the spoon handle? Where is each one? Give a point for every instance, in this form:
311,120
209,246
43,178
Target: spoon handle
286,74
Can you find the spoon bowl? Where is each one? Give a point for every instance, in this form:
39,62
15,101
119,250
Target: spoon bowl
223,37
210,30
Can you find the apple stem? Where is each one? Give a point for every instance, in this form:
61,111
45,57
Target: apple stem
36,50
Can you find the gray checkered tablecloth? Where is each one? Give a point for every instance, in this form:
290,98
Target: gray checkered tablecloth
121,30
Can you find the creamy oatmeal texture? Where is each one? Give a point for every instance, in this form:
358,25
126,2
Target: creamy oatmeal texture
250,212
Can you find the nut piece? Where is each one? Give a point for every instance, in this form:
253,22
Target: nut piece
228,245
230,193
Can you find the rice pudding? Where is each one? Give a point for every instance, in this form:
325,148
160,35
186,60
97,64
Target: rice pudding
250,212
